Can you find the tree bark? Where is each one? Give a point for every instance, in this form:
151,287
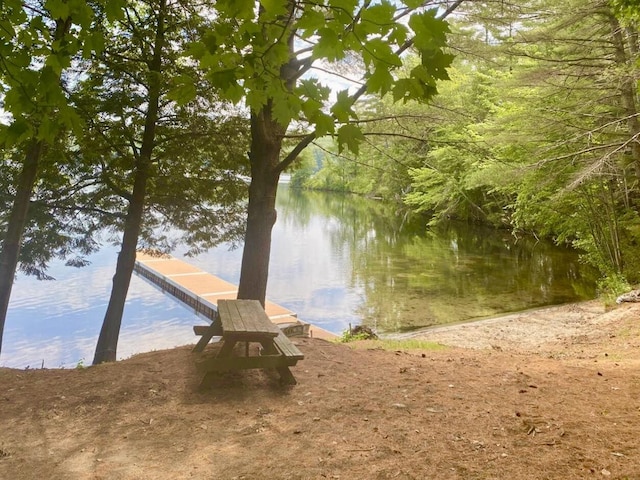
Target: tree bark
107,345
628,98
266,145
20,209
15,228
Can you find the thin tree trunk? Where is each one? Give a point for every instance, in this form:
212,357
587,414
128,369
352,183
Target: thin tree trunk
15,228
107,345
20,209
627,92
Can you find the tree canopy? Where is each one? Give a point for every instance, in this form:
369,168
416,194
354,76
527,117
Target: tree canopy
537,131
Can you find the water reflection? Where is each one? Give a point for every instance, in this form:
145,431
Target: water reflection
56,323
335,260
406,277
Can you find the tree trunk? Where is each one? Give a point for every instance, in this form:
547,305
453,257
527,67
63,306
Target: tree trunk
20,209
107,345
108,340
15,228
266,144
628,99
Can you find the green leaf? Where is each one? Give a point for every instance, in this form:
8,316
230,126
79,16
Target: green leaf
380,81
93,43
238,9
311,107
324,124
183,90
413,4
19,130
310,22
285,109
81,13
430,32
379,52
70,119
274,7
437,64
346,6
58,62
256,99
329,45
350,135
223,79
399,34
312,88
47,130
7,27
234,92
378,18
114,9
342,110
412,89
59,9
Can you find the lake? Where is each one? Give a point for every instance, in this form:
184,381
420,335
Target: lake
336,260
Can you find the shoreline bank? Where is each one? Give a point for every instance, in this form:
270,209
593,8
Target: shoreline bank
528,330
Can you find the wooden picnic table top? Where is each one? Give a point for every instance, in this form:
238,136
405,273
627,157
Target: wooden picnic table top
245,318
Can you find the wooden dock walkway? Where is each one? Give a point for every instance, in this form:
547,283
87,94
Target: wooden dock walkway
201,291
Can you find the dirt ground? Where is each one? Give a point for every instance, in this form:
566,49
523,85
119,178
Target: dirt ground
549,394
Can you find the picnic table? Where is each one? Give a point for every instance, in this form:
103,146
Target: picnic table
246,321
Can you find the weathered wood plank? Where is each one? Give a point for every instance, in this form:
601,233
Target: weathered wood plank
254,316
245,316
204,329
207,334
287,348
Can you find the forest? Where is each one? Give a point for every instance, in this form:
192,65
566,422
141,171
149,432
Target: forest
535,131
141,123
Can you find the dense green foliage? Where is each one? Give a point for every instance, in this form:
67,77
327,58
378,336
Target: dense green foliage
537,131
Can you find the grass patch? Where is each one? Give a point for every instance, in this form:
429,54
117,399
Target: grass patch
395,345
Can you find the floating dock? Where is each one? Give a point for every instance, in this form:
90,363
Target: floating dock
201,291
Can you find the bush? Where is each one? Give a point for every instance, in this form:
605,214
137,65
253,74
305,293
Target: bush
611,286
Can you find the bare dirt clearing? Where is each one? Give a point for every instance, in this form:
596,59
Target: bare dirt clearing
517,402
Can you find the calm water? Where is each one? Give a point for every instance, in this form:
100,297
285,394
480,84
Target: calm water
335,260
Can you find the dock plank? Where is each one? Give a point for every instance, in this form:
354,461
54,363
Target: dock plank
203,291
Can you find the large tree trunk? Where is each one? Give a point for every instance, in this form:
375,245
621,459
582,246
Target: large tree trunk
107,345
15,228
266,144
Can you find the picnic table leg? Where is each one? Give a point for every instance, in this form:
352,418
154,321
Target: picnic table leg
227,348
204,339
269,348
225,351
286,377
213,330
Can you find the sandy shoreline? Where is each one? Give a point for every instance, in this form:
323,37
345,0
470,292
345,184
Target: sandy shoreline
530,330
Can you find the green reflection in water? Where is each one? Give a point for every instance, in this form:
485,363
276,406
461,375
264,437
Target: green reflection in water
412,277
